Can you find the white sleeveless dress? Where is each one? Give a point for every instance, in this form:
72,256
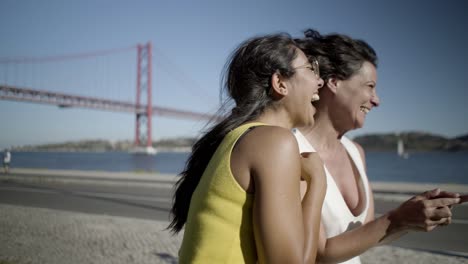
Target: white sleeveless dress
336,216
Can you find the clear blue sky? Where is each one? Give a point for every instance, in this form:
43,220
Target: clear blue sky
422,47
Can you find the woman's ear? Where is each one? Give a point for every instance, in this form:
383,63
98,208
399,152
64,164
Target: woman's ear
333,84
278,85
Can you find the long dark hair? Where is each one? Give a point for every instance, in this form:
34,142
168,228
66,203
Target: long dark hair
339,56
247,81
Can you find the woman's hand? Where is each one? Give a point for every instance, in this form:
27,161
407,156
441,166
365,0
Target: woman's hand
313,173
463,198
425,211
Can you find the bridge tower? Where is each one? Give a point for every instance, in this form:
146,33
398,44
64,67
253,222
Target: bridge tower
143,142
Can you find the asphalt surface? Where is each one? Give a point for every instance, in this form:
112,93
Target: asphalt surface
137,202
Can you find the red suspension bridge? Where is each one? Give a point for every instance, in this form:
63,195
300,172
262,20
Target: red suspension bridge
23,88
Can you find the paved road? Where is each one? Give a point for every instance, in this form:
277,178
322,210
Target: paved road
154,203
137,202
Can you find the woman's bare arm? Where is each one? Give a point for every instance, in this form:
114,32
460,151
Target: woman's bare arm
279,217
314,174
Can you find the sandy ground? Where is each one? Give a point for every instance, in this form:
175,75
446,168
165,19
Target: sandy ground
37,235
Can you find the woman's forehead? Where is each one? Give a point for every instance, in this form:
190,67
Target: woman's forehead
300,59
368,71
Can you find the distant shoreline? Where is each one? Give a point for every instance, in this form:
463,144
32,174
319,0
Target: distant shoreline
162,149
411,142
189,149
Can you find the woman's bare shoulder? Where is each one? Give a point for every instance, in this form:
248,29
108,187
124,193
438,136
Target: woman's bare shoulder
271,138
269,148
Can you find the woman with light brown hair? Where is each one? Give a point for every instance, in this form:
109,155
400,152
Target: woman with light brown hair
348,227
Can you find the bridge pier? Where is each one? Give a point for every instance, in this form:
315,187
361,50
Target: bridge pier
143,139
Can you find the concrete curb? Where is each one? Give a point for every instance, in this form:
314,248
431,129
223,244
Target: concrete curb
168,180
414,188
91,177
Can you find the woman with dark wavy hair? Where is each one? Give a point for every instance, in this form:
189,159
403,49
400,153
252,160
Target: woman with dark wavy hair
348,228
239,196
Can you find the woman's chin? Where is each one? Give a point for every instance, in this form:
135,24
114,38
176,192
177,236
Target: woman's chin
308,123
358,125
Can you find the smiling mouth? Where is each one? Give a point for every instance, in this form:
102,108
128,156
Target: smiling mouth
364,109
315,98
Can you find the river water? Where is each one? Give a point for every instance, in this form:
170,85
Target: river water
424,167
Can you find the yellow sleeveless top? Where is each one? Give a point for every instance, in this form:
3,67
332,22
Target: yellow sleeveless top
219,227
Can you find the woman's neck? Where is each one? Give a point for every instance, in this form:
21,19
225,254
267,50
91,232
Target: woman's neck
325,135
275,118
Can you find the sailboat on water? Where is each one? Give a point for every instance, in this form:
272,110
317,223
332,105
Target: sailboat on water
401,149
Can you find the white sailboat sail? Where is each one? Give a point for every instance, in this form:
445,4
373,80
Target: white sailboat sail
401,149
